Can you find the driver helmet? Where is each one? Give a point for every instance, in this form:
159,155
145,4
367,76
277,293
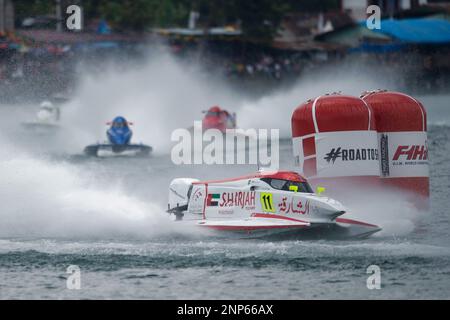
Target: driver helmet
119,122
46,105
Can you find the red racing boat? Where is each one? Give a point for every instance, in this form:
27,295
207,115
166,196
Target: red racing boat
217,118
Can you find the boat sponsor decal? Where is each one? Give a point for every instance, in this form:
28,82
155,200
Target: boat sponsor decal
267,202
212,200
242,199
228,211
298,207
197,194
197,199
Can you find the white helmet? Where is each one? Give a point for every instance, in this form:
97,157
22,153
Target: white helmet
46,104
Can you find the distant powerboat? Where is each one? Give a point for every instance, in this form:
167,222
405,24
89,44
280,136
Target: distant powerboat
216,118
119,142
47,118
220,119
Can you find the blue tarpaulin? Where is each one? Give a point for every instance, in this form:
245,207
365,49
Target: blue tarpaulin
378,48
417,30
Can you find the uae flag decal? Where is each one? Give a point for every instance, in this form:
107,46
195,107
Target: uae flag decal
213,199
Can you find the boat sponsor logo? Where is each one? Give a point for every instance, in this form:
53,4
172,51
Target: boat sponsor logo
267,202
197,194
228,211
351,154
212,200
197,200
293,206
242,199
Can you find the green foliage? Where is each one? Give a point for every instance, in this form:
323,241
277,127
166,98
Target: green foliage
30,8
137,14
259,18
313,5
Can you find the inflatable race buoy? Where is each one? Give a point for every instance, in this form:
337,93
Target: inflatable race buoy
401,122
335,141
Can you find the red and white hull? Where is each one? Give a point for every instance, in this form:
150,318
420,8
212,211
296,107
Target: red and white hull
249,207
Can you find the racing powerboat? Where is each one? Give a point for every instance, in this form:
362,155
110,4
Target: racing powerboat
47,118
119,142
277,204
217,118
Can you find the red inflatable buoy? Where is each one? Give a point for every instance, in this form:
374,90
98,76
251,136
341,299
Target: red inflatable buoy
401,123
335,141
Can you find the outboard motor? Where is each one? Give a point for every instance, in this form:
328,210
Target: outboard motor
179,193
119,133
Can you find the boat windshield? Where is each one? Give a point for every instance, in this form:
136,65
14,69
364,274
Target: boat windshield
287,185
212,114
119,125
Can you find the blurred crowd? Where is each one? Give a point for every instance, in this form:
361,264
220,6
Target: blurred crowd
37,74
266,66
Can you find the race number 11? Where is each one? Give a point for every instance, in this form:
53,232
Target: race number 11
267,202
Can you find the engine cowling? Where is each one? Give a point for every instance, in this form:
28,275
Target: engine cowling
179,193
